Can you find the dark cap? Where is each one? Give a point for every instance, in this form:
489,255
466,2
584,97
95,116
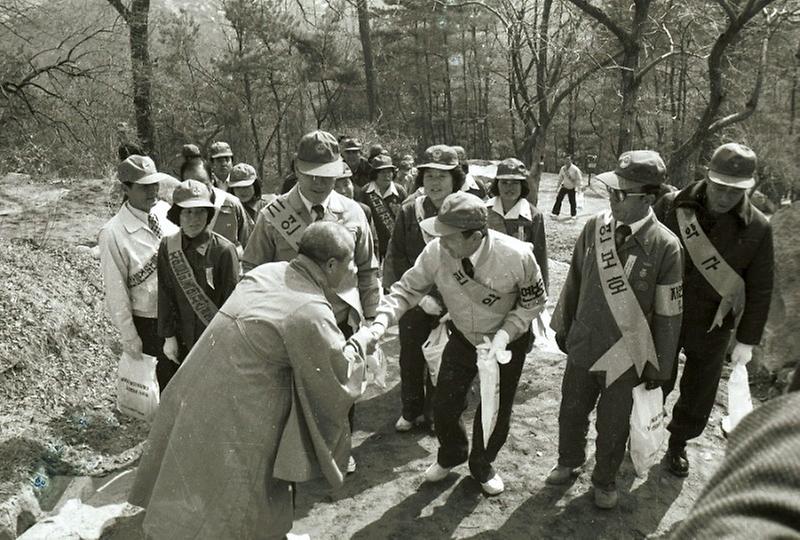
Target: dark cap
733,165
382,161
460,211
318,155
220,149
640,166
242,175
351,143
192,194
511,169
439,156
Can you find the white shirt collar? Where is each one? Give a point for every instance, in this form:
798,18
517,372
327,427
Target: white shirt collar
391,190
141,215
519,210
308,204
636,225
478,252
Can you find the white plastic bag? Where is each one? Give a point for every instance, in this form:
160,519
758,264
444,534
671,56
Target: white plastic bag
739,402
489,375
648,428
137,387
433,348
376,369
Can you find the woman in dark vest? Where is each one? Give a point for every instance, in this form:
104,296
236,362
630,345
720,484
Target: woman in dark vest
511,213
197,271
439,175
384,197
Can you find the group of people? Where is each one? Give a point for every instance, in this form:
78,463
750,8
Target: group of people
272,307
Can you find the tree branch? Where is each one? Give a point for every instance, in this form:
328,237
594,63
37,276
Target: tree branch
123,11
601,17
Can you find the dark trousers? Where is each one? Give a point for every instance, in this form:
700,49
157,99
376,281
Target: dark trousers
154,346
458,369
705,354
570,193
416,388
347,330
580,390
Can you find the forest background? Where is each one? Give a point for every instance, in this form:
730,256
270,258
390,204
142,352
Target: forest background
528,78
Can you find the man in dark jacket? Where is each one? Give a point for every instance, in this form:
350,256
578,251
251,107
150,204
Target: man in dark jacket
351,153
727,285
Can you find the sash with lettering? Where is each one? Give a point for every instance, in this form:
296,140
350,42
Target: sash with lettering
383,211
202,305
635,347
728,284
291,227
419,213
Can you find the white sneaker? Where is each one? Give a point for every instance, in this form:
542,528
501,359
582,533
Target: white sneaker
436,472
403,425
351,465
494,485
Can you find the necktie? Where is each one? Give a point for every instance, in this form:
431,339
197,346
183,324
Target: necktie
621,234
152,222
319,211
468,268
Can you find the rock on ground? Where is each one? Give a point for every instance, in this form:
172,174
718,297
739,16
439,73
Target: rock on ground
77,521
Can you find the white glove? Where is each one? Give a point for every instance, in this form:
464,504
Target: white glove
742,353
430,305
133,347
498,347
171,348
367,338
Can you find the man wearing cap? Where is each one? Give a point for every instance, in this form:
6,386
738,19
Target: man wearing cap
244,184
728,282
618,320
471,184
128,245
492,288
384,198
406,173
351,152
569,179
197,271
221,164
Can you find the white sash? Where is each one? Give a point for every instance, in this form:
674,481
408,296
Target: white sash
635,347
705,257
202,305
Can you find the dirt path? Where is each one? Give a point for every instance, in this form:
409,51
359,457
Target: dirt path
386,498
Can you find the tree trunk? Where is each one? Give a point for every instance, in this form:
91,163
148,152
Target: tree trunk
369,65
142,72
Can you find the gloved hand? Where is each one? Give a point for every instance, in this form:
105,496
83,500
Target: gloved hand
498,347
171,348
367,338
742,353
561,341
652,384
430,305
133,347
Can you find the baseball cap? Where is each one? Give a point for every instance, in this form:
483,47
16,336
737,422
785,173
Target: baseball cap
460,152
220,149
351,143
318,155
382,161
460,211
733,165
640,166
511,169
192,194
242,175
439,156
136,169
346,172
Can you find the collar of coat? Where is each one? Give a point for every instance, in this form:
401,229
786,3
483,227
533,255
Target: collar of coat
642,234
391,190
306,267
134,219
519,210
334,206
694,196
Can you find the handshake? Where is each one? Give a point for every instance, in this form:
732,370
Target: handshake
369,336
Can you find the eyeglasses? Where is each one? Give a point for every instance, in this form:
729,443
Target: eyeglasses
619,195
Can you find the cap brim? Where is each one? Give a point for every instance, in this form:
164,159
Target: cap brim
383,167
223,154
351,148
440,166
434,227
242,183
610,179
196,203
154,178
332,169
510,177
731,181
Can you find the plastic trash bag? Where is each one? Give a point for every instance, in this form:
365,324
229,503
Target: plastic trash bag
648,428
489,374
137,387
376,369
433,348
739,401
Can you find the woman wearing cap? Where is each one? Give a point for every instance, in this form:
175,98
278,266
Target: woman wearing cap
384,198
440,176
197,271
511,213
245,185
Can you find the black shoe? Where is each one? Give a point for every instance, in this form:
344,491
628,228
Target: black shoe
677,462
